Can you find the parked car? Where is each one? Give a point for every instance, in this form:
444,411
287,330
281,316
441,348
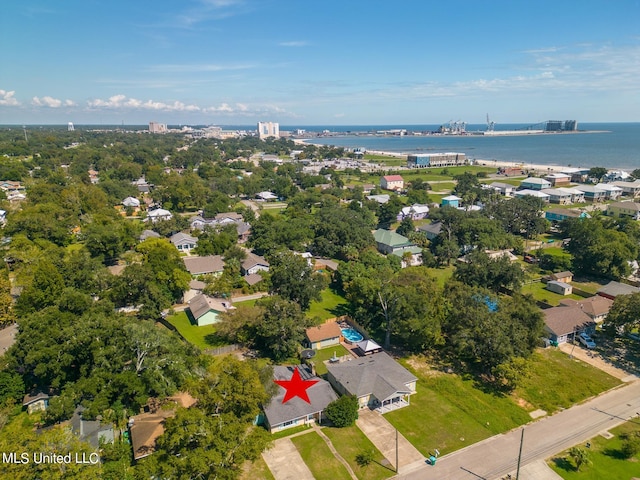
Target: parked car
586,340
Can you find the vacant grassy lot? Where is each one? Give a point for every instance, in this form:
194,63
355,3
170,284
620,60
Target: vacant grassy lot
555,381
316,454
328,306
203,337
607,460
349,442
449,412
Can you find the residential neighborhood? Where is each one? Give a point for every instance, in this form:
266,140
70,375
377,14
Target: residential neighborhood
297,320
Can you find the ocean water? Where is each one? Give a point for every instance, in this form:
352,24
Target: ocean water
609,145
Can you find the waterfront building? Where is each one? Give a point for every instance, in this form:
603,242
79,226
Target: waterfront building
268,129
534,183
425,160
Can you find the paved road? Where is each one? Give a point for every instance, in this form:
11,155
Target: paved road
497,456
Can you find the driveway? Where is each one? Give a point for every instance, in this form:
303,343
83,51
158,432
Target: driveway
285,462
596,360
7,337
497,456
383,435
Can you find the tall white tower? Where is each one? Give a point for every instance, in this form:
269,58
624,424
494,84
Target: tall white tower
268,129
70,127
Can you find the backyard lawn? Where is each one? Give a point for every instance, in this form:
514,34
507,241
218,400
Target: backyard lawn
349,442
328,307
203,337
316,454
606,458
326,354
539,292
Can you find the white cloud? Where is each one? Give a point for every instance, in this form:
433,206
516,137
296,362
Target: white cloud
50,102
6,98
122,102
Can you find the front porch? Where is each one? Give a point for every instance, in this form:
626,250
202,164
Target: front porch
392,404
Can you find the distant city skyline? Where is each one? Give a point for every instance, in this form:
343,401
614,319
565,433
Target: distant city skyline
356,62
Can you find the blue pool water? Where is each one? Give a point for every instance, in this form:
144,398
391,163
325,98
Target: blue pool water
352,335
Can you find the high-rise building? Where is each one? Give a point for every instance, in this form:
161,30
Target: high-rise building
268,129
155,127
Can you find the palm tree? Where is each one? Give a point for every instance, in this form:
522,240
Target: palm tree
580,457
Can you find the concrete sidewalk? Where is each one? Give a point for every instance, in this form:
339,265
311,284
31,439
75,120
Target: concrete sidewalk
383,435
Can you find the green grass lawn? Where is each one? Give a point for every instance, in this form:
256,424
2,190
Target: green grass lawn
539,292
607,461
316,454
349,442
442,274
326,354
443,186
289,431
449,412
203,337
547,385
328,306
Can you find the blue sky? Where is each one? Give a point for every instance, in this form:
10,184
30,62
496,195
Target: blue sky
312,62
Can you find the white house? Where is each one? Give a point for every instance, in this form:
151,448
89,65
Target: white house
184,242
131,202
159,214
534,183
414,212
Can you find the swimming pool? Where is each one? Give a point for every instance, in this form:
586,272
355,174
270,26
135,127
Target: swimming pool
351,335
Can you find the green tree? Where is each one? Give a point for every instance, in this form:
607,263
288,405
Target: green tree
340,232
281,331
44,289
343,412
597,173
599,249
11,387
580,457
406,227
294,279
625,312
495,274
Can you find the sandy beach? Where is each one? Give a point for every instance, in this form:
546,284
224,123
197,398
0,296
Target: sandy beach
532,168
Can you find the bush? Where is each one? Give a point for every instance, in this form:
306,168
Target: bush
343,412
630,444
364,458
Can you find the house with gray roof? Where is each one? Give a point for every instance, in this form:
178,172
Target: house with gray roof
295,411
92,431
563,323
431,230
184,242
253,264
206,265
205,309
613,289
377,380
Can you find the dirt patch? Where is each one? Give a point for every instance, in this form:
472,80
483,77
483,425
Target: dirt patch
422,366
522,403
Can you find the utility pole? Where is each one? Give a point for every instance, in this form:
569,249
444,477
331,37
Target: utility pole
520,455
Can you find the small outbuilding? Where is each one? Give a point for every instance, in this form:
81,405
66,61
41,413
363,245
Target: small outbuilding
559,287
324,335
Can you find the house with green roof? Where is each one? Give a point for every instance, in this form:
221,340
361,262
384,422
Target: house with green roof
389,242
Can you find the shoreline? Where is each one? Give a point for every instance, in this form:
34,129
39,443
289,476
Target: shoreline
525,166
